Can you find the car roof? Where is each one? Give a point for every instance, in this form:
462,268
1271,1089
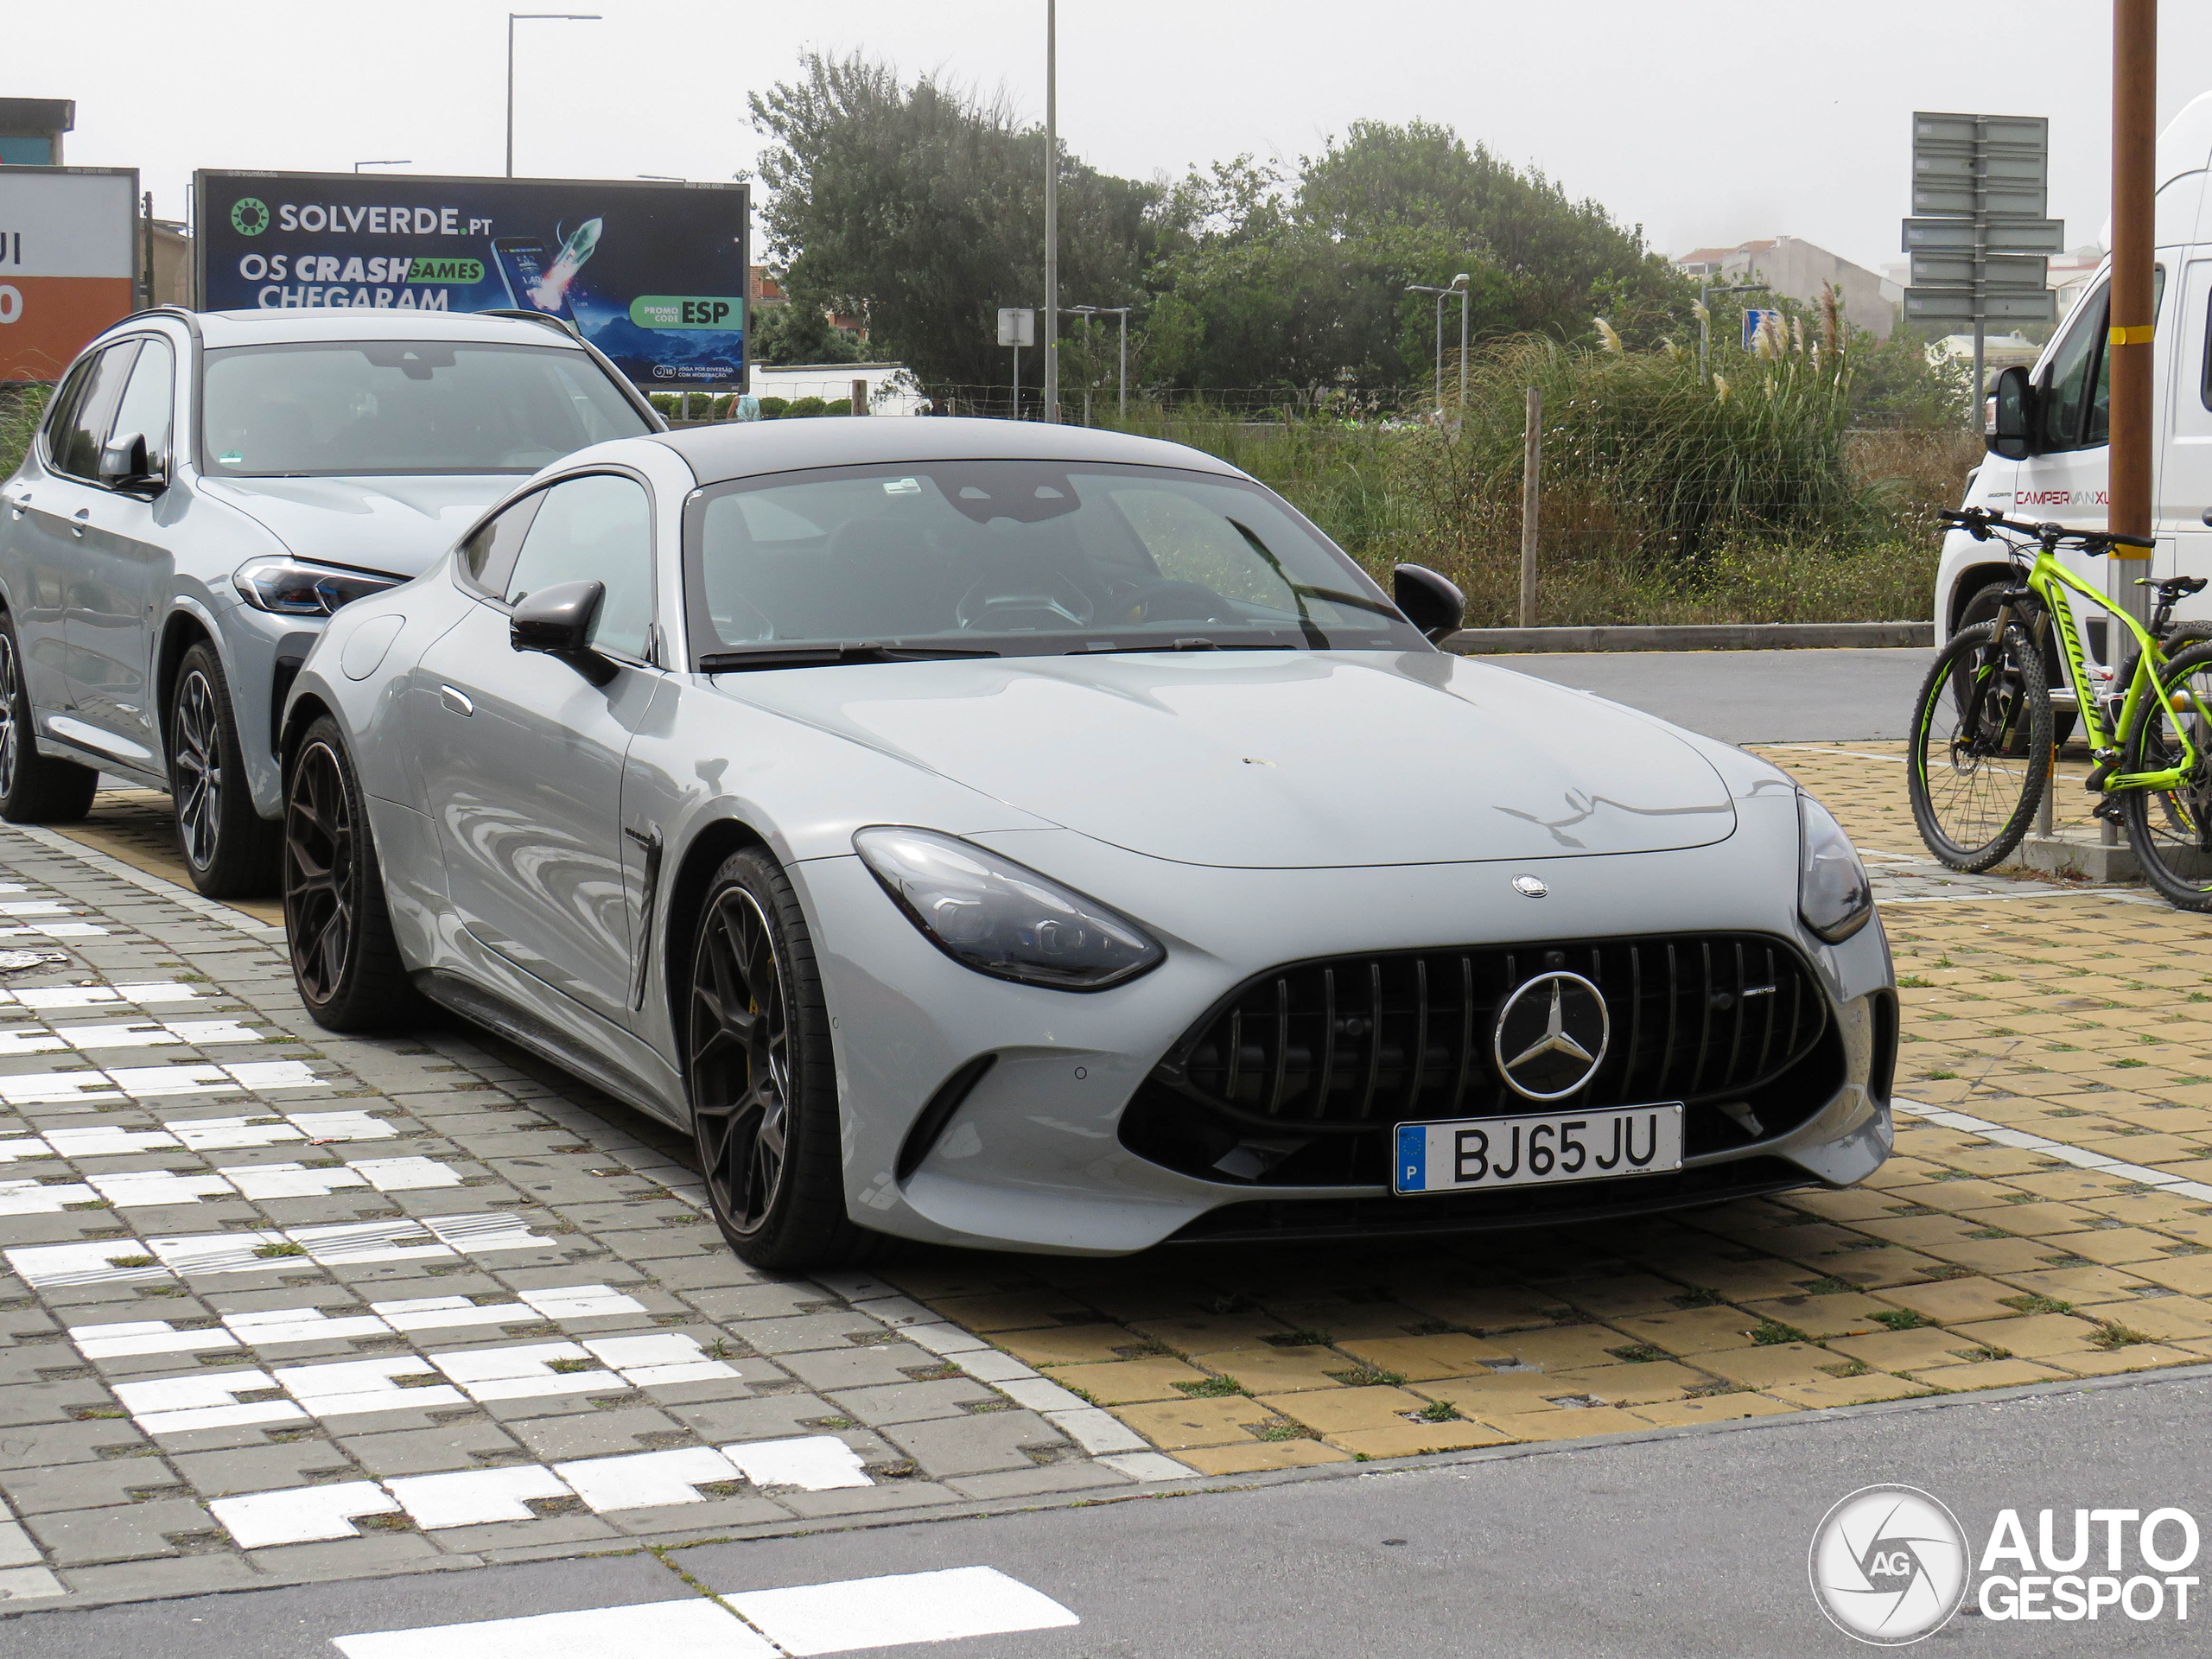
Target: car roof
734,449
273,327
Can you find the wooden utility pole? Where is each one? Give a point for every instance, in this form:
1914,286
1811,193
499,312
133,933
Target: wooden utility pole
2134,181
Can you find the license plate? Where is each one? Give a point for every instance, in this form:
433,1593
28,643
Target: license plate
1467,1154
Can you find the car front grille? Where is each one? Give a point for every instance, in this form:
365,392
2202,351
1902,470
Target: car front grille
1341,1048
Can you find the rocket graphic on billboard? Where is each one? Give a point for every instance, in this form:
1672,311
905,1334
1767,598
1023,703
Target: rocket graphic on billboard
68,263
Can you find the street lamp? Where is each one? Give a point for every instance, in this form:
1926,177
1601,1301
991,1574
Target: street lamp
1122,312
1051,210
358,166
1457,285
514,17
1705,293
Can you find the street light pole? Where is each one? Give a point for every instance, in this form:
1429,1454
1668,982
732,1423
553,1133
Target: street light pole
1051,212
1121,314
514,17
1430,288
1460,283
1705,293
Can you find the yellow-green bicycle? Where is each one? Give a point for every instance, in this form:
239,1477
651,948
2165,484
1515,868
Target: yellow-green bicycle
1982,746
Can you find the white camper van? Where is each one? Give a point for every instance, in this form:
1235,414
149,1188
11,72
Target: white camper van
2048,464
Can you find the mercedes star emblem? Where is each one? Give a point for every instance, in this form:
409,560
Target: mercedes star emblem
1551,1036
1530,887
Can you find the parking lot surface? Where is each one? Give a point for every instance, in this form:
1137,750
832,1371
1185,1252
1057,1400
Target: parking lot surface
280,1306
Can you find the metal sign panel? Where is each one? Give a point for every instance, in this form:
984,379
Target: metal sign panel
655,274
2026,272
1997,235
1994,196
68,262
2032,131
1960,305
1017,326
1967,163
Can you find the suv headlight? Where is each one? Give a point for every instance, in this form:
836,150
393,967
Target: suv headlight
1000,918
1833,896
297,588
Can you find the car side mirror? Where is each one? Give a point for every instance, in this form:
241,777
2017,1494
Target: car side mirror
125,464
2010,421
557,621
1430,603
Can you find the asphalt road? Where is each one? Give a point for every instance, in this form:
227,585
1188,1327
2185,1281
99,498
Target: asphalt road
1689,1544
1749,696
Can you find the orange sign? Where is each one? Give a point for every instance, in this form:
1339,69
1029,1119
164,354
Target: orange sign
68,241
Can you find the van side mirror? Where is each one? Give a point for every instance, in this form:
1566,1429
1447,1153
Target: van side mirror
557,621
2010,421
1430,603
125,464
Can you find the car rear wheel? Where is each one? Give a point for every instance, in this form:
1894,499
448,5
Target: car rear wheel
35,788
345,961
759,1069
230,850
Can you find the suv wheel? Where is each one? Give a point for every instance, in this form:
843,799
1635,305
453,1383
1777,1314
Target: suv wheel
229,848
35,788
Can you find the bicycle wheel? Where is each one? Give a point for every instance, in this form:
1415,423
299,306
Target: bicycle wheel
1979,758
2171,829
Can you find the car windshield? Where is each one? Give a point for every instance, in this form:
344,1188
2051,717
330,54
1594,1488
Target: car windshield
1015,558
410,406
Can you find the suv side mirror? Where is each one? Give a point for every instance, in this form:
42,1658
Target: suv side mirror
557,621
1430,603
125,464
2009,420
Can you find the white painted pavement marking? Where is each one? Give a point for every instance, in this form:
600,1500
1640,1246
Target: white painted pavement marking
145,992
819,1463
277,1326
654,1630
941,1606
644,1480
125,1033
2080,1157
155,1082
475,1497
301,1515
122,1260
197,1134
23,1576
53,930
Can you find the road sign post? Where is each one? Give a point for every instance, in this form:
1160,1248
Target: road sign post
1017,328
1979,239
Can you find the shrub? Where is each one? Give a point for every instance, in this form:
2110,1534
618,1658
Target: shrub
773,409
799,406
20,407
839,406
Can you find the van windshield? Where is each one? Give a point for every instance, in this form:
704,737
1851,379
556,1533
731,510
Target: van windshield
344,407
1019,558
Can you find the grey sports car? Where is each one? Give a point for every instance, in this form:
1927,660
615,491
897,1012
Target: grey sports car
1041,838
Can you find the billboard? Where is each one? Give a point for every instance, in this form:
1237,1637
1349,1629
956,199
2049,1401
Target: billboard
654,275
68,262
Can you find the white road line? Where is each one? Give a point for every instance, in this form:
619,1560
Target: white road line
1822,748
146,993
277,1327
122,1260
155,1082
2080,1157
891,1612
197,1134
654,1630
2035,892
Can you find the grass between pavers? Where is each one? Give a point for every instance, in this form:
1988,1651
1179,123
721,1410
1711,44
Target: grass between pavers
1961,1265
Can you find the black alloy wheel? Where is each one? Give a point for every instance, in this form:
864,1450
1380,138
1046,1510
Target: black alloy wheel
756,1046
345,960
230,850
34,788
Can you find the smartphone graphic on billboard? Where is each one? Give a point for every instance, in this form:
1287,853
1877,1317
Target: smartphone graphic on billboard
521,260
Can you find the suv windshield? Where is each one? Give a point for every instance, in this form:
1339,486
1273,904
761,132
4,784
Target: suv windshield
1016,558
412,406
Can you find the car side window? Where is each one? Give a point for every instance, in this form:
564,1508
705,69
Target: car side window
597,528
2098,430
487,558
149,397
75,447
2073,373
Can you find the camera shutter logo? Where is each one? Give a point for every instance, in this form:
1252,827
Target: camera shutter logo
1551,1036
1889,1565
249,215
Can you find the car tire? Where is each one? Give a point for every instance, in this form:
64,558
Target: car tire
1982,607
345,960
760,1074
35,788
230,850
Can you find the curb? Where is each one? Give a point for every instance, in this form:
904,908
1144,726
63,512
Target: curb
1698,636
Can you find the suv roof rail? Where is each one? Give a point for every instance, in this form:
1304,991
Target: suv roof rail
545,317
185,314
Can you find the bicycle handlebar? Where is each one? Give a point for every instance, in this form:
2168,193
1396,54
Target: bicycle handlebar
1977,522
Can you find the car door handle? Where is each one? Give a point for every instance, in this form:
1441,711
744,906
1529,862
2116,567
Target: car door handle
454,700
76,528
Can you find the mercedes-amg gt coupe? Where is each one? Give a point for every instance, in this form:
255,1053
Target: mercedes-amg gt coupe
1041,838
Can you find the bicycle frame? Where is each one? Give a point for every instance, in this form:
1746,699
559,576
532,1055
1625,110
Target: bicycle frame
2048,580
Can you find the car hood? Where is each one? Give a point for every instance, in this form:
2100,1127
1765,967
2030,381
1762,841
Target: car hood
1279,759
398,525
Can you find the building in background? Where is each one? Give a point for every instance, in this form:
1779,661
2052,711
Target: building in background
1798,269
31,130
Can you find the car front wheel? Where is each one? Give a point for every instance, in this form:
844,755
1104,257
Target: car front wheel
345,961
230,849
759,1069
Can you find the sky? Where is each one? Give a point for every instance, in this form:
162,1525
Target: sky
1791,119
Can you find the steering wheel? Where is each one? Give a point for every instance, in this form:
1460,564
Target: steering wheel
1063,604
1161,600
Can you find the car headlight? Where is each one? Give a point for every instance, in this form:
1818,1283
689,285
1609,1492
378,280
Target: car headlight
297,588
1833,896
1000,918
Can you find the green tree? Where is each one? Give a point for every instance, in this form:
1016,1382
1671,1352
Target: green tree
798,331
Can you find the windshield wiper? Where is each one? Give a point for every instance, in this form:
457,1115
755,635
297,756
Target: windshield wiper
730,662
1181,645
